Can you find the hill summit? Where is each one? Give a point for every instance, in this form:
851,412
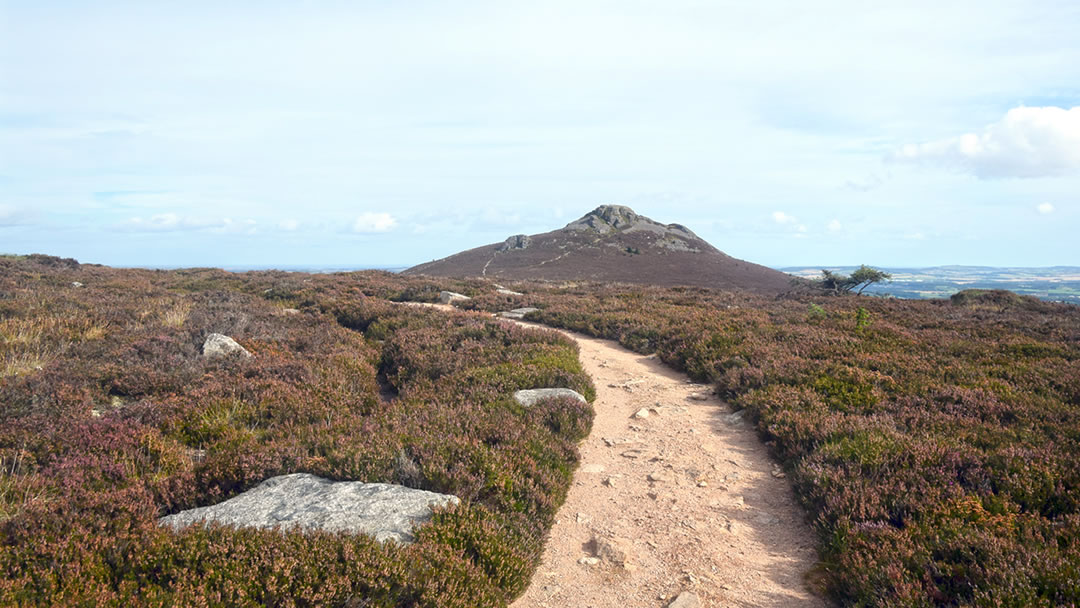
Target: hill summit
610,243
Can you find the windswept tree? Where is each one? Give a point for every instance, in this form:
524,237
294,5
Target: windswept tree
863,277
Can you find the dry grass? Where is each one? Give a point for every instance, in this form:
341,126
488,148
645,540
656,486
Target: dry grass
15,490
28,344
26,362
176,316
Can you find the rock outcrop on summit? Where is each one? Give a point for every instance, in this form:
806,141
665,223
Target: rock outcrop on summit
611,243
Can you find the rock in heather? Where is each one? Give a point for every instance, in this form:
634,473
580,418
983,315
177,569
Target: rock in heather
529,397
517,313
305,501
220,345
446,297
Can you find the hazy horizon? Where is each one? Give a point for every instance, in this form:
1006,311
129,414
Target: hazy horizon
323,134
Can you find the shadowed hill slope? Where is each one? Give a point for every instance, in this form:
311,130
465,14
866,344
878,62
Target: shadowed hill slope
611,243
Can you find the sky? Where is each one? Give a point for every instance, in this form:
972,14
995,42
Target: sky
381,134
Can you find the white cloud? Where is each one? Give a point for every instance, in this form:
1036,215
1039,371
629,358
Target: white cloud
173,222
835,226
288,225
1027,142
374,222
783,218
11,216
1045,208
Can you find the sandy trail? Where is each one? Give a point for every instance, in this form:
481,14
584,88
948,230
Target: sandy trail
689,492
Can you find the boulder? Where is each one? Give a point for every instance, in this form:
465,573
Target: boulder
517,313
447,297
508,292
530,396
304,501
220,345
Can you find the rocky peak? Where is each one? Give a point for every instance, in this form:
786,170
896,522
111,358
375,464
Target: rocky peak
607,218
611,218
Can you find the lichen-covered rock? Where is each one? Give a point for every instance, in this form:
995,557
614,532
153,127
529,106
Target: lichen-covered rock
530,396
508,292
220,345
447,297
304,501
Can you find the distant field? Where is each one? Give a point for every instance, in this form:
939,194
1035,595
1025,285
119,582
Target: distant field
1056,283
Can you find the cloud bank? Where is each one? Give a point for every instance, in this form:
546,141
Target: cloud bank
368,223
1026,143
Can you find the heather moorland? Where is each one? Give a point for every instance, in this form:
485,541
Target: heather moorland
930,442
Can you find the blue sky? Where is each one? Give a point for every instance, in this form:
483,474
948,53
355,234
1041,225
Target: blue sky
354,134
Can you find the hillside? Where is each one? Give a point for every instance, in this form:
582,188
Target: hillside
610,243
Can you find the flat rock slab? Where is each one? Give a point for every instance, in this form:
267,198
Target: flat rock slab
517,313
308,502
529,397
447,297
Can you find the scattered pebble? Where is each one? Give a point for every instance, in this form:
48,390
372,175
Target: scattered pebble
686,599
659,476
589,561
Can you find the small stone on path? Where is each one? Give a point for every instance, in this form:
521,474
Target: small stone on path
686,599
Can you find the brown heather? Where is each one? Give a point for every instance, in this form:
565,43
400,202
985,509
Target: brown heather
933,443
109,418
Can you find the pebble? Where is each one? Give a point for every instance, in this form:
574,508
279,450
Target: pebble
767,519
642,413
589,561
659,476
686,599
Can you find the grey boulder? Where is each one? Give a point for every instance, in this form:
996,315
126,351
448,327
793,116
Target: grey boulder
517,313
307,502
220,345
530,396
447,297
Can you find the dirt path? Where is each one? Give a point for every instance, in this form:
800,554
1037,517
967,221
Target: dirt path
688,493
